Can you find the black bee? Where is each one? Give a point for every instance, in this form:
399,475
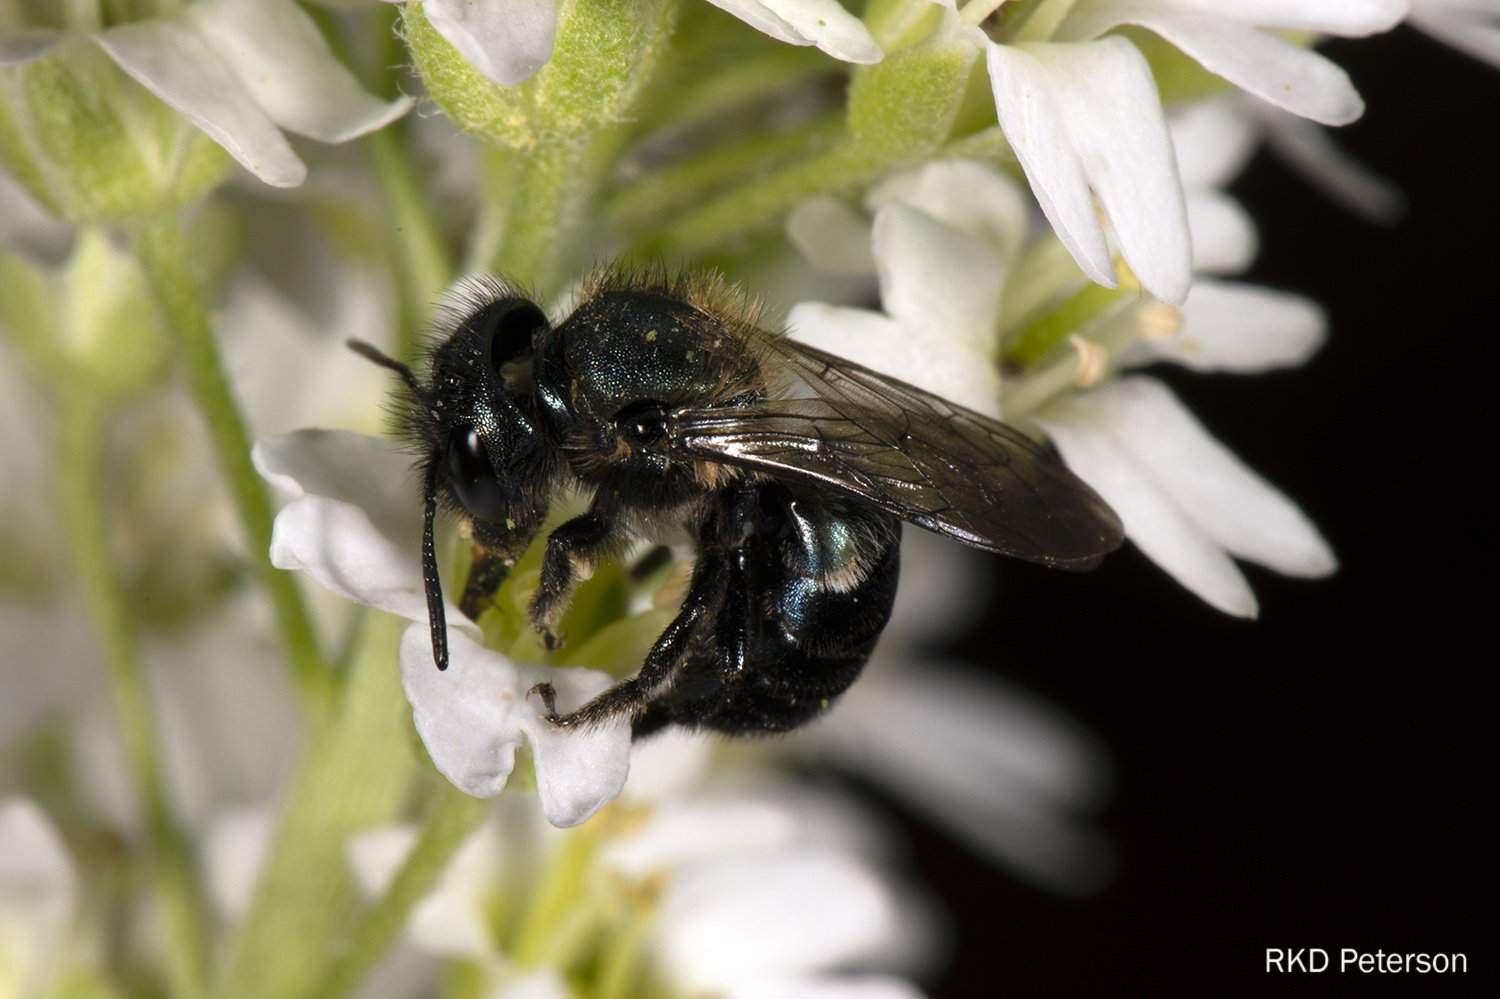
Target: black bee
790,468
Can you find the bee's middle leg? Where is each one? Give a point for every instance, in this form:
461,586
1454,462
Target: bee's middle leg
704,597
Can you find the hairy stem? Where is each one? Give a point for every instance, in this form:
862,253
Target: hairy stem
164,258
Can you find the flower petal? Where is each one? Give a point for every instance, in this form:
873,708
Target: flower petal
1471,26
1206,483
703,829
351,524
773,917
1028,769
943,365
1311,150
944,590
472,715
342,550
830,27
1108,101
578,771
831,236
935,278
370,472
1081,426
172,61
1213,140
971,197
235,847
1269,67
1225,240
1350,18
763,19
38,895
1239,509
1033,124
844,987
282,59
506,40
469,715
1238,327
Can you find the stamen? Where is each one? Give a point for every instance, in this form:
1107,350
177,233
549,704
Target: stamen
1092,362
1157,322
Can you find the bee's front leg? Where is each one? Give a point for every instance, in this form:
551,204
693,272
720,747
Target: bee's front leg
573,551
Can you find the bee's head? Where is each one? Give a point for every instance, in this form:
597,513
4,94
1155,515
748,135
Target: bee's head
483,456
486,453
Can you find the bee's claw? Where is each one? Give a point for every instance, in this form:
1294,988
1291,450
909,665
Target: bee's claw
548,695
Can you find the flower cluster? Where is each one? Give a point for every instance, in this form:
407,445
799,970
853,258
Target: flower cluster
1017,206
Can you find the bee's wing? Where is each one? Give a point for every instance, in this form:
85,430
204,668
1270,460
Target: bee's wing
913,454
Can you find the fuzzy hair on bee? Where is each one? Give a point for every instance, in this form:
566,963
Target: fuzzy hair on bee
666,400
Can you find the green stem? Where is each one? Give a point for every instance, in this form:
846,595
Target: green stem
354,774
164,258
422,263
452,816
670,189
82,422
538,194
762,202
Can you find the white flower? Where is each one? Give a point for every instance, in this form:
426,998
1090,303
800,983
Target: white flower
943,241
38,898
352,526
773,892
1184,498
824,23
509,40
1203,505
1082,114
240,70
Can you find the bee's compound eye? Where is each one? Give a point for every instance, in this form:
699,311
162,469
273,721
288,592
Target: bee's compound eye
473,476
642,422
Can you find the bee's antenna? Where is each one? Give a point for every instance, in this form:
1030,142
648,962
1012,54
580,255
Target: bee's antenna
372,353
436,618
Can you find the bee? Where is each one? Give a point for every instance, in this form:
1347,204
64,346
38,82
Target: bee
668,403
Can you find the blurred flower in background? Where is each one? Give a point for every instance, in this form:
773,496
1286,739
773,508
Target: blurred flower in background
217,779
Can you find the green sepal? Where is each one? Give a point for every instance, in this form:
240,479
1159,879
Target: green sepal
603,56
903,107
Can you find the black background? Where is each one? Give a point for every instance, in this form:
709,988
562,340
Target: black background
1314,778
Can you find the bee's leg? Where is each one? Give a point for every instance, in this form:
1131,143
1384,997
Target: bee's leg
572,551
495,551
486,572
705,595
800,618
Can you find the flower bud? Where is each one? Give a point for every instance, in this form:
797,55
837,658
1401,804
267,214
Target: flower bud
93,145
89,321
604,53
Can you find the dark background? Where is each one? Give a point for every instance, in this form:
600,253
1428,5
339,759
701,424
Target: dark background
1314,778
